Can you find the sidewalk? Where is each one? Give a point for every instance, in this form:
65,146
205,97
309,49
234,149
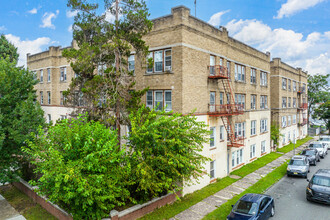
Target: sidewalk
7,211
201,209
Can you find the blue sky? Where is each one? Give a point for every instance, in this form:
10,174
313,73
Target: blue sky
298,31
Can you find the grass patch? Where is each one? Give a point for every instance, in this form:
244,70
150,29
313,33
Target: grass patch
260,187
289,147
24,204
189,200
253,166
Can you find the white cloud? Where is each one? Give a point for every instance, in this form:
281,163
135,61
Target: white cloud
27,46
70,28
33,11
47,19
109,17
311,52
71,13
294,6
215,19
3,28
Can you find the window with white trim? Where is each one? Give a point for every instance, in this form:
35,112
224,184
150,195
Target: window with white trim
294,119
48,75
253,102
149,66
289,102
283,83
253,76
294,102
240,129
263,125
237,158
49,118
252,151
159,99
222,132
263,146
253,127
101,68
283,140
283,121
168,100
263,102
63,74
212,169
41,76
212,137
289,84
263,78
212,65
289,136
168,60
49,99
283,102
158,61
240,99
41,97
294,86
221,98
228,69
289,120
131,63
239,73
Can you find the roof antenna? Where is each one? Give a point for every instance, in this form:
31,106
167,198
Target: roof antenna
195,8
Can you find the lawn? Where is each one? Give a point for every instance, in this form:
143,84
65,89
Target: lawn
289,147
260,187
24,204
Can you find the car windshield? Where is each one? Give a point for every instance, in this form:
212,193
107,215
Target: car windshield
321,181
308,153
246,207
315,146
297,163
324,139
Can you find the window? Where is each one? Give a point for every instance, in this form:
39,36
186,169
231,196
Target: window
263,146
289,120
149,66
283,102
228,69
240,130
48,74
49,100
41,98
49,118
283,140
158,61
253,127
283,83
78,98
283,121
263,125
63,117
222,132
253,76
289,102
221,61
212,136
63,74
100,69
41,76
221,98
212,169
294,86
63,98
289,136
239,73
168,60
263,102
253,101
159,99
237,157
228,98
34,75
263,78
240,99
289,84
233,159
131,63
252,151
294,102
294,119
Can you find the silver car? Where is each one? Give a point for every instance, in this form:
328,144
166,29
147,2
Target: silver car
320,147
325,139
298,166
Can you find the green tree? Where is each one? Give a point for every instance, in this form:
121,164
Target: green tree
7,50
165,151
318,90
81,166
323,113
19,114
104,46
275,133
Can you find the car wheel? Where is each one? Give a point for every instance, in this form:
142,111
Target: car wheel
272,212
306,176
308,170
318,160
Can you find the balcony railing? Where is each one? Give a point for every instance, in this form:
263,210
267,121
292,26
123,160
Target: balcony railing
228,109
218,72
303,106
303,122
237,142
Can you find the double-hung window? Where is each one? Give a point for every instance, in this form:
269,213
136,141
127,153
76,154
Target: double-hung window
168,100
283,102
253,76
228,69
283,83
158,61
289,84
150,99
253,127
294,119
212,65
212,169
49,98
263,146
263,78
168,60
263,102
252,151
63,74
294,102
149,65
263,125
289,102
240,99
283,121
221,98
162,61
294,86
41,97
159,99
253,101
289,120
48,75
237,158
212,137
222,132
239,73
131,63
240,130
41,76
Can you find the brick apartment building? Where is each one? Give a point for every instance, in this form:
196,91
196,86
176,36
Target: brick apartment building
199,68
289,100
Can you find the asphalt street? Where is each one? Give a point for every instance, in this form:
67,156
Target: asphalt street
290,197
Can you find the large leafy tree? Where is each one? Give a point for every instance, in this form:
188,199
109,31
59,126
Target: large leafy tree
165,151
19,113
318,90
7,49
81,166
104,85
323,113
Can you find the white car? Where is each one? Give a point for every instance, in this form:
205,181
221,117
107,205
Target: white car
320,147
325,139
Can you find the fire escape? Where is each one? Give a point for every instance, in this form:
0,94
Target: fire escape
302,105
226,111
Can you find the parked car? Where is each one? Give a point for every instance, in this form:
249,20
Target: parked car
318,188
312,155
253,206
298,166
325,139
319,147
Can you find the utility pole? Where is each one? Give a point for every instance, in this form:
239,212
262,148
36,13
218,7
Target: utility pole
195,7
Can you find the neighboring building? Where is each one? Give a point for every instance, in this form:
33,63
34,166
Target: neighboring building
288,100
55,75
